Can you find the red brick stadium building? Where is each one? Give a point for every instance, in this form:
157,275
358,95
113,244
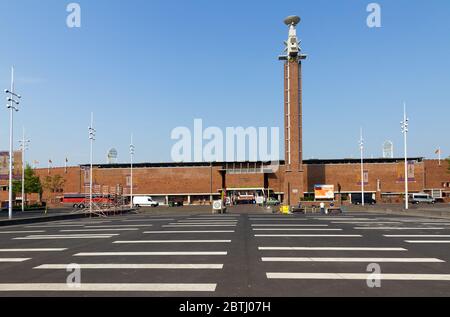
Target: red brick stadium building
199,183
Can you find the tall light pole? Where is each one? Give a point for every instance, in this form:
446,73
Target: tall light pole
13,99
361,146
92,132
23,147
404,125
132,148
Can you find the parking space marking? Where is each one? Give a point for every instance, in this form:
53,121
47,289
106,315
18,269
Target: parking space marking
311,235
359,276
190,231
397,228
111,287
428,241
172,241
167,266
329,249
13,260
34,250
149,253
286,225
365,260
99,230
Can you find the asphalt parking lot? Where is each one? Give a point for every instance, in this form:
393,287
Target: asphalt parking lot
233,255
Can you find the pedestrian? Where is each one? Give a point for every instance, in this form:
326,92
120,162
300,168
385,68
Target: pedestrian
322,208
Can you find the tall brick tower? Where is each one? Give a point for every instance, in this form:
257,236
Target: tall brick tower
293,177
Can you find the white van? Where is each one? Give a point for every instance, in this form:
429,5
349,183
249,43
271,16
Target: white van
422,198
144,201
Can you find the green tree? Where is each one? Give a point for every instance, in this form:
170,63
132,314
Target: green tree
54,184
32,184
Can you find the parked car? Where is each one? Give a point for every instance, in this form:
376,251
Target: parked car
368,199
422,198
273,202
144,201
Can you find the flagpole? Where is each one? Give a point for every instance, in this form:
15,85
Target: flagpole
439,156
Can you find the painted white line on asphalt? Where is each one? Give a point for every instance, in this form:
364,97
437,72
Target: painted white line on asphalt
395,228
14,232
54,226
286,225
118,226
145,220
359,276
416,235
428,241
173,241
337,219
294,229
99,230
436,223
168,266
149,253
13,260
214,218
34,250
366,223
51,238
193,231
71,235
278,219
311,235
203,223
117,287
368,260
180,226
329,249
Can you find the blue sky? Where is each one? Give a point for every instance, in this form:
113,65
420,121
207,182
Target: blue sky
146,67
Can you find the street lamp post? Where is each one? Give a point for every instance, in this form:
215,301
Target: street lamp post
13,99
92,132
23,146
405,129
132,148
361,146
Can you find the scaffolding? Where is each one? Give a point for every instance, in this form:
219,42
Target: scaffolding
106,200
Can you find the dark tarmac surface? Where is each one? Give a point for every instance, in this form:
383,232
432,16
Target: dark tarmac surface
230,262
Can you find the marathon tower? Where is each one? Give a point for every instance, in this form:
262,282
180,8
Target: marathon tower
293,177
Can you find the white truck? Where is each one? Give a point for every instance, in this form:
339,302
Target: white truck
144,201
